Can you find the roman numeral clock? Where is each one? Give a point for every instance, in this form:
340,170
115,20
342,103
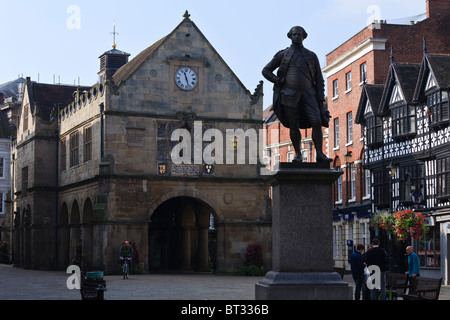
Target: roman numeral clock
186,78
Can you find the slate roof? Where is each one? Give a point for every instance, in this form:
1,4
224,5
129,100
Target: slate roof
440,64
46,96
12,89
269,115
373,93
130,68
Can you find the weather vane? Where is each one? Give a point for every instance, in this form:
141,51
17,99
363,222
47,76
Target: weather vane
114,33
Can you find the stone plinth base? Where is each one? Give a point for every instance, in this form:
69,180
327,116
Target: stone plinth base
302,286
302,236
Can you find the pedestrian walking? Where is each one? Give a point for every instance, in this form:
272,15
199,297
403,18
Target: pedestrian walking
357,266
413,263
377,256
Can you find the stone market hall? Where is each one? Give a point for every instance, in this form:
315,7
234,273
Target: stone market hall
93,166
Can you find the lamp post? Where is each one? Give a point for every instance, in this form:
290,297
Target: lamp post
347,158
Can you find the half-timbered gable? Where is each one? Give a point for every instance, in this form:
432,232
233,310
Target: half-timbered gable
396,100
368,114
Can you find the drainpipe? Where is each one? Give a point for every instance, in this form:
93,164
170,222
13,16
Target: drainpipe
102,109
57,132
11,170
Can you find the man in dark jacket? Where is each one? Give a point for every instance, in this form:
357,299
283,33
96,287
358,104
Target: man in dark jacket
377,256
357,266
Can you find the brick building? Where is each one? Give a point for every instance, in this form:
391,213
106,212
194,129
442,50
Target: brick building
365,58
278,146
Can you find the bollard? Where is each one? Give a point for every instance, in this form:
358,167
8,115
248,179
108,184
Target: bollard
101,292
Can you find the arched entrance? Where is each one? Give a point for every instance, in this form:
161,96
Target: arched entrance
182,236
88,233
75,236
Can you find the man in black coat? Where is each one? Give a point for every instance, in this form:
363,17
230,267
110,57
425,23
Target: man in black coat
357,266
298,99
377,256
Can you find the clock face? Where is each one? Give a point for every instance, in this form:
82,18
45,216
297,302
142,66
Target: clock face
186,78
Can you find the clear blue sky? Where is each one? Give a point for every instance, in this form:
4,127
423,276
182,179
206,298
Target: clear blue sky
65,38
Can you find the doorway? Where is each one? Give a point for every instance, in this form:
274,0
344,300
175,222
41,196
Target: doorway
182,236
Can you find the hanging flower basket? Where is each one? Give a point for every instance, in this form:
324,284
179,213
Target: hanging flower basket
403,224
409,224
384,221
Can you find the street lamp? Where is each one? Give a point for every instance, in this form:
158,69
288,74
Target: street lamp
347,158
392,169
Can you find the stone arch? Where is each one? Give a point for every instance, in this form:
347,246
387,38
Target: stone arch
189,194
88,211
88,232
75,230
179,234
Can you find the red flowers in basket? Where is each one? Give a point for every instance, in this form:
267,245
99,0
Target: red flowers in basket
409,224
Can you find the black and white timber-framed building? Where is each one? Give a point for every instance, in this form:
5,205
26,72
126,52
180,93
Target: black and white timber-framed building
407,150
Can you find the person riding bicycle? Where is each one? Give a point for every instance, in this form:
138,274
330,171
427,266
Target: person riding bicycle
126,251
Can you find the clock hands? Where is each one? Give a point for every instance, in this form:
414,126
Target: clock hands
187,81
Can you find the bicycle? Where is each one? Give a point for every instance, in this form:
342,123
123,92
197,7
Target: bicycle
125,268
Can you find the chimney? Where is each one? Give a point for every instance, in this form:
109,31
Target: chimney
2,100
436,8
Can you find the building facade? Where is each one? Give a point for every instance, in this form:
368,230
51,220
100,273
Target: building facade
365,58
111,172
408,151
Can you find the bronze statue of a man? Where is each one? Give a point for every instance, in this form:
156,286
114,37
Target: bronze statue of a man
298,99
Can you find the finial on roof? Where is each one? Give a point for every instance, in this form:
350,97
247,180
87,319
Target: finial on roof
114,33
392,54
425,49
186,15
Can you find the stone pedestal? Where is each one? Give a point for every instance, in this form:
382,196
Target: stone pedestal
302,236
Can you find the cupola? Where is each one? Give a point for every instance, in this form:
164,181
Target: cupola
112,60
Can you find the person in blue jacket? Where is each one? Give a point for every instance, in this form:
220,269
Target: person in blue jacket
413,263
357,267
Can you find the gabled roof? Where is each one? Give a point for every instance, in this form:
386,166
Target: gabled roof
439,66
269,115
373,94
406,76
126,71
